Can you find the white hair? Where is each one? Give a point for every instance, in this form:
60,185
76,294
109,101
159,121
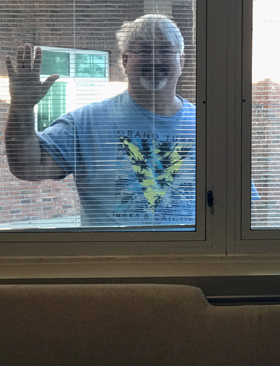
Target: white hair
149,27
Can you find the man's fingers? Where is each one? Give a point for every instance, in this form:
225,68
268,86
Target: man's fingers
19,57
37,60
49,81
27,56
9,66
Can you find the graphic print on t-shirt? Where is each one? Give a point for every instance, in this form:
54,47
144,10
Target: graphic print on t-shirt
155,164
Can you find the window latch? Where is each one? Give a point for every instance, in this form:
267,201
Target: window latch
210,198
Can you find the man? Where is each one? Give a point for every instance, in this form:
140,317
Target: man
132,156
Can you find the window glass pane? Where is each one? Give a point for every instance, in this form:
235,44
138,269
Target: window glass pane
126,146
52,106
88,92
265,212
93,66
55,63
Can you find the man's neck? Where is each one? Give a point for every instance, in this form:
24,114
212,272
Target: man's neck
158,102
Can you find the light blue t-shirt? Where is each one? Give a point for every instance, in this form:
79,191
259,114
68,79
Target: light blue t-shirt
131,167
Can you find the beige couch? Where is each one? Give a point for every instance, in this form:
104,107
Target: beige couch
132,325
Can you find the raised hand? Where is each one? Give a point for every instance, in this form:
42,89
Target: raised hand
26,89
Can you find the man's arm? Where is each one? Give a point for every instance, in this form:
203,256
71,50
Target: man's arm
27,160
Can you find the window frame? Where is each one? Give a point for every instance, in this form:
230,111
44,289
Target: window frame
74,243
223,157
256,240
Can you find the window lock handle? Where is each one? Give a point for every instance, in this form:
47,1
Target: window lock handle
210,198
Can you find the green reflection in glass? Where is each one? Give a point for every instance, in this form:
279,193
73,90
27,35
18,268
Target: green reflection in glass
55,63
90,66
52,106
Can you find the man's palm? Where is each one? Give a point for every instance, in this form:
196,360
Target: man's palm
25,85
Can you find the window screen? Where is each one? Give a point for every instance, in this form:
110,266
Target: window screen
120,123
265,168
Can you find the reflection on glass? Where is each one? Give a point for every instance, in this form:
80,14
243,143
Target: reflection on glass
52,106
265,158
90,66
55,63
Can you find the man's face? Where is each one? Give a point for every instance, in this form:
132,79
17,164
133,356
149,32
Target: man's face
153,65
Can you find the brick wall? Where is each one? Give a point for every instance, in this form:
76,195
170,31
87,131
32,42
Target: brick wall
21,200
184,15
266,151
51,24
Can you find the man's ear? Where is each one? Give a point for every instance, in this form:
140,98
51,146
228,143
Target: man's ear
124,60
182,60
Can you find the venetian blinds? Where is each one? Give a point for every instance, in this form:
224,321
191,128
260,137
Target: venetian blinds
116,131
265,153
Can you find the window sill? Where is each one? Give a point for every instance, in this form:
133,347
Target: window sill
143,267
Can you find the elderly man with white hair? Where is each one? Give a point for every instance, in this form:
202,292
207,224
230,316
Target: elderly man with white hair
132,156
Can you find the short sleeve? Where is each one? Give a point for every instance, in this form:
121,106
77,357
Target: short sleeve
59,140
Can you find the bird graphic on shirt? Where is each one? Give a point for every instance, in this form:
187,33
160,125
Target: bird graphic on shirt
155,165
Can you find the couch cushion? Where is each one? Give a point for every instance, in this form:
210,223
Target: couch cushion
131,325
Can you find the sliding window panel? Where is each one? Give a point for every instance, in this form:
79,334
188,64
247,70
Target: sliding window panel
261,126
125,124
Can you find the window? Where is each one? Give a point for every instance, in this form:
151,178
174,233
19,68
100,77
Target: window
143,176
265,115
260,126
52,106
83,75
56,63
236,135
